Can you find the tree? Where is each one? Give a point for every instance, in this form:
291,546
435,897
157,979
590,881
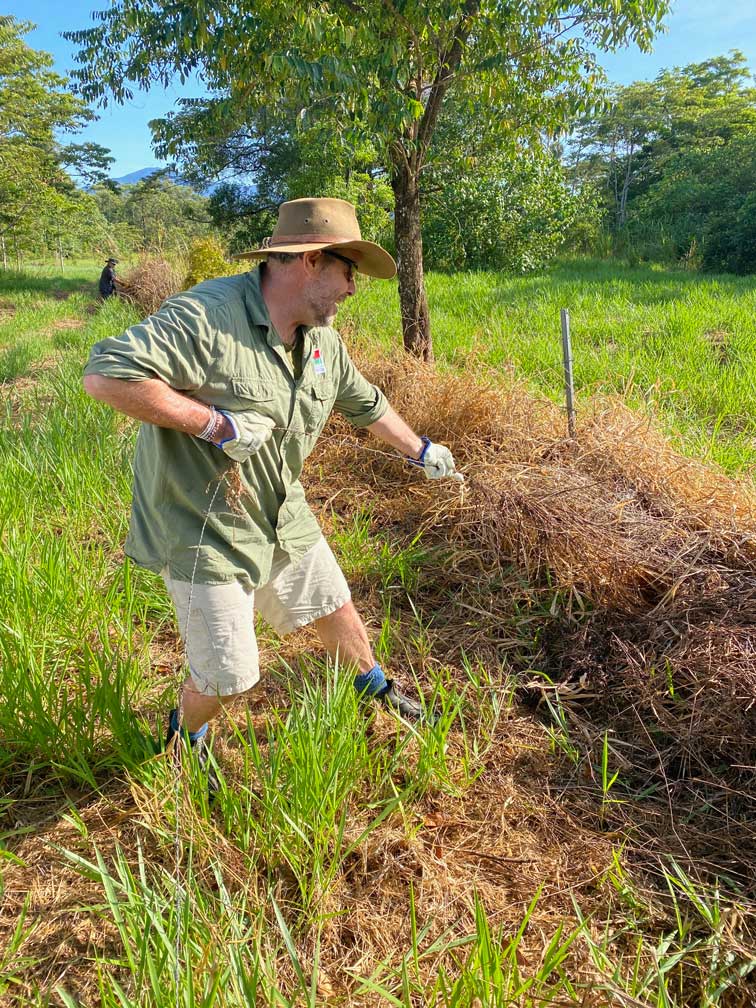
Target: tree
489,206
37,196
382,69
155,214
611,145
675,154
282,160
705,202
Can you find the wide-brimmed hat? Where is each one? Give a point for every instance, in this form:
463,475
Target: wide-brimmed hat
305,225
114,261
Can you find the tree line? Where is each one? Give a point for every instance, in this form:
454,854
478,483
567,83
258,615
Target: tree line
673,165
470,135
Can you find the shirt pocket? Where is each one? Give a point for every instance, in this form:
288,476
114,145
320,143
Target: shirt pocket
252,390
316,399
253,394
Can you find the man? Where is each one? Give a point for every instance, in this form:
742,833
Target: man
108,282
242,373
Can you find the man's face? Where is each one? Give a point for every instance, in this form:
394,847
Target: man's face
332,284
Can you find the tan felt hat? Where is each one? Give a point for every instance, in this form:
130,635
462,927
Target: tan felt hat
305,225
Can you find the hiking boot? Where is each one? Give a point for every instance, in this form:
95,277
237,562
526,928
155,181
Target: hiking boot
200,751
394,700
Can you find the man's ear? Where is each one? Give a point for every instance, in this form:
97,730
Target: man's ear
312,261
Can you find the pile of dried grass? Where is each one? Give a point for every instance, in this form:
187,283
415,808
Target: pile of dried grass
150,282
651,555
619,515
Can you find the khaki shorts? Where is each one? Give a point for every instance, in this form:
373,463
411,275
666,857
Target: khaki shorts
220,640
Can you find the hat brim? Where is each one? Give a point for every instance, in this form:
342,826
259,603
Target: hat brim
371,259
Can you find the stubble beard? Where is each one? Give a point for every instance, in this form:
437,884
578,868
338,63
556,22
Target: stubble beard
323,315
323,308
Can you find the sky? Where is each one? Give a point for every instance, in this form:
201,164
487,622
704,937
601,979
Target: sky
696,30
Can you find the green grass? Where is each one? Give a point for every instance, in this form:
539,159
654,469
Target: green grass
315,798
645,332
39,310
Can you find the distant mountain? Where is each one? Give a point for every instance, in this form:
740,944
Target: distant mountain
137,176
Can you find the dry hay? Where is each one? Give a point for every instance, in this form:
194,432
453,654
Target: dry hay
618,515
502,841
149,283
648,559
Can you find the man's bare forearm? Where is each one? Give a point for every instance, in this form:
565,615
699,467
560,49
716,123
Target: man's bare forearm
151,401
392,429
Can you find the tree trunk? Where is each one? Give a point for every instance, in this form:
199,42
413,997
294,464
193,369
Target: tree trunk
416,329
626,186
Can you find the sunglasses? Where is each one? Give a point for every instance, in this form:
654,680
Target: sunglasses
353,267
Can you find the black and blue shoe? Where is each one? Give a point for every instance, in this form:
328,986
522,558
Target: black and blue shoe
200,751
392,698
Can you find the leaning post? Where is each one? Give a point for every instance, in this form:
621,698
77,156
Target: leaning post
569,388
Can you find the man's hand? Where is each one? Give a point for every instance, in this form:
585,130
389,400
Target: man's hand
249,432
437,461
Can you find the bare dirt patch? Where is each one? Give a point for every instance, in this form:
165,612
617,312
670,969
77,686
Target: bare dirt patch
67,323
13,394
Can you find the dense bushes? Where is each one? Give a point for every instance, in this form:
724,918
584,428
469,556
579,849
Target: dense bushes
207,259
675,162
510,213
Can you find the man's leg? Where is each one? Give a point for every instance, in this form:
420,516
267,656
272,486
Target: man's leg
345,637
314,591
218,632
197,708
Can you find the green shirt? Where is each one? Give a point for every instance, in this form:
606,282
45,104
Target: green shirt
216,343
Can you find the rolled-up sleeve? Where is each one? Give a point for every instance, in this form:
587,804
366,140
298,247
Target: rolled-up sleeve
174,345
356,399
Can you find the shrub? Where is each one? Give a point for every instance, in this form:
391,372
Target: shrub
207,259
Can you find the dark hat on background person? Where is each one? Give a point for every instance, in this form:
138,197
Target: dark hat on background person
306,225
114,261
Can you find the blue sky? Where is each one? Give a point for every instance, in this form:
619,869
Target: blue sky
697,29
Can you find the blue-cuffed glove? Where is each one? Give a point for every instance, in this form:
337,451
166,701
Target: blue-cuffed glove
251,431
436,461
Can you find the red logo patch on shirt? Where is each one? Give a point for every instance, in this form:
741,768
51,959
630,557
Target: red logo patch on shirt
317,361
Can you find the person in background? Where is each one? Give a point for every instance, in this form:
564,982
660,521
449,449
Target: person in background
108,281
241,373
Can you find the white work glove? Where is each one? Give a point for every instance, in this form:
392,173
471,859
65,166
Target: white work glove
251,431
437,461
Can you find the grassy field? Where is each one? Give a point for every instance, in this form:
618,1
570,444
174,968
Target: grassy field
681,343
348,861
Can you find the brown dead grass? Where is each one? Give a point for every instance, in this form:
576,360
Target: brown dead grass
654,554
149,283
502,841
67,323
